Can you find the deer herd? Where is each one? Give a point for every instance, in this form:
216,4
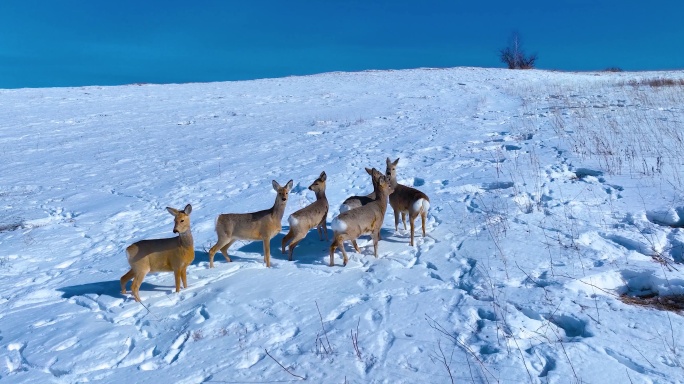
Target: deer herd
359,215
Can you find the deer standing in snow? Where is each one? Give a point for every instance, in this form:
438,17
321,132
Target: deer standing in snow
313,215
162,255
351,224
406,199
261,225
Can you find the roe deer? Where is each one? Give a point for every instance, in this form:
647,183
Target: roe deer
406,199
366,219
358,201
313,215
162,255
261,225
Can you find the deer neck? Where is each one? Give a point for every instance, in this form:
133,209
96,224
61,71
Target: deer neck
185,239
393,182
320,195
278,208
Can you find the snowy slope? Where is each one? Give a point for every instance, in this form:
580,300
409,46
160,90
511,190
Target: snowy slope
551,195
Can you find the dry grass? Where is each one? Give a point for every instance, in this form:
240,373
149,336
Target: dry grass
656,82
672,303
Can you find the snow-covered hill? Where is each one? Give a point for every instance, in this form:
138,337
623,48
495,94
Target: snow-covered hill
552,194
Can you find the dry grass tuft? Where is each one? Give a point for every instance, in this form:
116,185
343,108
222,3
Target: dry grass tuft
672,303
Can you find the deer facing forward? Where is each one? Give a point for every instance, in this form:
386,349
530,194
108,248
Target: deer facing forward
313,215
261,225
162,255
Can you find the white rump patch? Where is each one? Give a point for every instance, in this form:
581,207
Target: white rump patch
421,204
338,226
344,208
293,221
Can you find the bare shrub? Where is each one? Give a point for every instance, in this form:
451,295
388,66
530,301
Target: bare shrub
514,55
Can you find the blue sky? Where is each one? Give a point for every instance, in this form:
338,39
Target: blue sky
85,42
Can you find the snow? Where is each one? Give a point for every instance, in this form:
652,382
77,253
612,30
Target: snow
551,194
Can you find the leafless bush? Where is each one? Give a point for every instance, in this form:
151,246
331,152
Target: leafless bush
514,55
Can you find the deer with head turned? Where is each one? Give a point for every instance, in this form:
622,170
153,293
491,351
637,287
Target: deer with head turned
261,225
313,215
365,219
406,199
162,255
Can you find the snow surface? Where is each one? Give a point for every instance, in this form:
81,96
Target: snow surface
551,194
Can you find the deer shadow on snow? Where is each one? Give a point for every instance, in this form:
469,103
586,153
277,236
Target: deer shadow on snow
311,250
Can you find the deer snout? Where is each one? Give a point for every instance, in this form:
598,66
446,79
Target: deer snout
175,230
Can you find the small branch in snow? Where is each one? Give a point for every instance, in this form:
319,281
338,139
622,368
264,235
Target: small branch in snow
355,339
327,349
281,366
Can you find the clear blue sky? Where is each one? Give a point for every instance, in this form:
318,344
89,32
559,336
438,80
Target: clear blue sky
87,42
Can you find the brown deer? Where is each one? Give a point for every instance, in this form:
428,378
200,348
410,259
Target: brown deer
406,199
313,215
261,225
366,219
358,201
162,255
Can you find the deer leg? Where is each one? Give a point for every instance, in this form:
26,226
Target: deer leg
376,237
222,241
356,246
423,216
125,279
333,246
344,255
297,238
184,276
396,220
412,228
267,252
177,278
324,228
287,238
403,219
224,250
137,281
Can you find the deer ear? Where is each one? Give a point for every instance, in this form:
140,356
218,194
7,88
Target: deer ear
172,211
187,209
396,161
323,176
388,161
275,185
369,171
288,186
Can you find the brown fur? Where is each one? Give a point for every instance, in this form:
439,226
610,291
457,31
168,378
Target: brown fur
162,255
403,199
313,215
261,225
365,219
